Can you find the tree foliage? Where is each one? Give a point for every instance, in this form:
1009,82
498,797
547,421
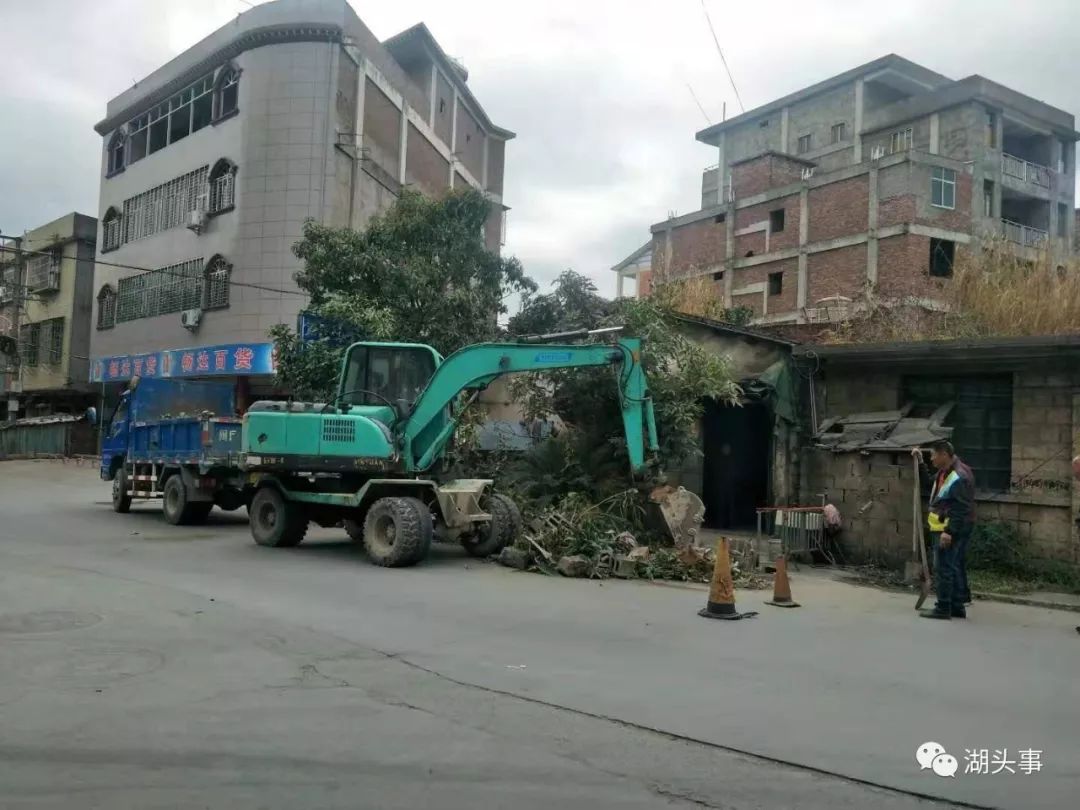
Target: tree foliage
419,272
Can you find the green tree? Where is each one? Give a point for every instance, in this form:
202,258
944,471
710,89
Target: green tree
419,272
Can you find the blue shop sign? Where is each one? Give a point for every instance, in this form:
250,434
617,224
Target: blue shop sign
230,359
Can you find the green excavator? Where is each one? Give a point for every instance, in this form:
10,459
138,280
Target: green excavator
372,458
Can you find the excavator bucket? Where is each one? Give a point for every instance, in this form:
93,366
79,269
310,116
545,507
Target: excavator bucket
679,513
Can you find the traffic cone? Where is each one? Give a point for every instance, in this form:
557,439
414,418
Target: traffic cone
781,594
721,604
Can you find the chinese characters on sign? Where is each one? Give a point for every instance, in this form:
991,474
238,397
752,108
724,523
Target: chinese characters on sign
235,358
979,761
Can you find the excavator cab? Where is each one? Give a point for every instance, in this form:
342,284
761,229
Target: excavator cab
383,380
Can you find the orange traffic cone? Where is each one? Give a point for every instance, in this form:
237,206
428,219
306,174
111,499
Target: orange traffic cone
781,595
721,604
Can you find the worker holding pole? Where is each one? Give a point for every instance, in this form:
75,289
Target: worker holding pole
950,520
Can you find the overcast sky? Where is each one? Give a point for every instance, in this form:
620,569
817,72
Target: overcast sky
595,89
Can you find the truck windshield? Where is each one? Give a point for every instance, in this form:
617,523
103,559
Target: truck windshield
375,375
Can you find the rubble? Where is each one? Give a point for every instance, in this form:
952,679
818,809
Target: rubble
513,557
574,565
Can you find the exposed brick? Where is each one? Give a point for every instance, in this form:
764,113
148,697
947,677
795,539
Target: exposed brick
750,244
787,238
836,272
839,209
955,219
785,302
697,246
896,210
753,176
904,268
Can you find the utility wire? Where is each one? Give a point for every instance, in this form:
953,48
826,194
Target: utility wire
696,101
160,270
720,51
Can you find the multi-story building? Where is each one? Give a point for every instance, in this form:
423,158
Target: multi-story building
52,289
212,163
870,182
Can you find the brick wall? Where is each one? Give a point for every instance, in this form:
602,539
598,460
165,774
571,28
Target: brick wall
904,268
896,210
696,246
762,173
957,219
778,240
784,302
839,209
750,244
836,272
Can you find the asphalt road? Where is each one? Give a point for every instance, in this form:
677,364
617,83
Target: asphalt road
144,665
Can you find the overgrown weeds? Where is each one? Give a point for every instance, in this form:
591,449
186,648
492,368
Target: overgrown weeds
1000,561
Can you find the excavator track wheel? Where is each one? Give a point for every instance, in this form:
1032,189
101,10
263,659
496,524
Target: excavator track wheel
276,521
504,528
397,532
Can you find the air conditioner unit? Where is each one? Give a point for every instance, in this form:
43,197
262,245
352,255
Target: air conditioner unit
190,318
877,153
196,220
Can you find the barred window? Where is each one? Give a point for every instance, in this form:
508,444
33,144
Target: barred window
106,313
159,292
111,225
165,206
217,283
8,278
222,186
116,152
29,338
51,342
43,271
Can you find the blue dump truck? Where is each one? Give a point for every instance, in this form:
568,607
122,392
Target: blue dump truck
177,440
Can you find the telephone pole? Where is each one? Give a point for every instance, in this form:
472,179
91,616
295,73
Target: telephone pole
17,294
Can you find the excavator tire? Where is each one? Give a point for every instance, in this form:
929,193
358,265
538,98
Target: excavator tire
397,532
505,526
276,521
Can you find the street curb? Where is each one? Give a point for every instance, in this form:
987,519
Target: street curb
1023,600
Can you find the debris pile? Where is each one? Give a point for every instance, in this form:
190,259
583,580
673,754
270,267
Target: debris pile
611,538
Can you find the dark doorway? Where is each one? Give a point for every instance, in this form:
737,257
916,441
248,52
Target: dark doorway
737,446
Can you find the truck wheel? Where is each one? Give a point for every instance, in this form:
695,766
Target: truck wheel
121,501
276,521
503,529
355,531
397,532
174,502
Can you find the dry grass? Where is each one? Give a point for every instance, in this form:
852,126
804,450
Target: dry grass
993,293
700,297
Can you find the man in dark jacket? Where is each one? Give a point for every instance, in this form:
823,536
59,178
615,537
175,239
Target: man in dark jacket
951,520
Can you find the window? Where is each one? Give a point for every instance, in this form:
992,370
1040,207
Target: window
900,141
1063,221
29,341
804,144
981,421
116,153
106,307
764,123
227,91
165,206
942,254
776,220
111,225
720,219
159,292
216,283
51,342
749,254
718,275
170,121
943,188
988,198
43,271
442,105
838,132
222,186
1064,148
375,374
776,283
991,129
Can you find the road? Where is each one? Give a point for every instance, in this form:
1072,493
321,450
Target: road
144,666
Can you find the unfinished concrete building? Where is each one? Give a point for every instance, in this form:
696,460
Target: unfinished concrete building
870,181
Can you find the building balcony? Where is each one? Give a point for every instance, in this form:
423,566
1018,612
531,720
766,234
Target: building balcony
1025,171
1024,235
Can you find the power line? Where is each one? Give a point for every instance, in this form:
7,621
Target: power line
166,271
692,93
720,50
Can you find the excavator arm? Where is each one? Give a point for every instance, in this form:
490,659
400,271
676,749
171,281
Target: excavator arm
426,431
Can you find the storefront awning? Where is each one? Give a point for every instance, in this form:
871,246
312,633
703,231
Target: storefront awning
229,359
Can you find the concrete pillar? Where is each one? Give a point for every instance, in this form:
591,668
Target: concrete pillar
453,136
484,167
619,278
872,229
935,134
403,141
729,254
668,249
785,134
858,120
721,163
431,95
804,237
